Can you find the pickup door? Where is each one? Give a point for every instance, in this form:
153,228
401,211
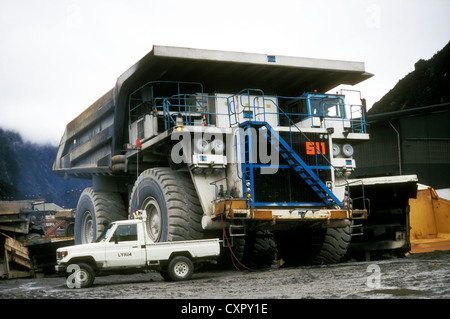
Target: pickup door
125,247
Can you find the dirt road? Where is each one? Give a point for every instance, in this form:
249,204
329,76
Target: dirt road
416,276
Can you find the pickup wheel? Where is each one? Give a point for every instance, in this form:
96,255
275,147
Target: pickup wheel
170,199
180,268
80,276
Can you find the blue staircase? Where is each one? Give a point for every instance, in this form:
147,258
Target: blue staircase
291,157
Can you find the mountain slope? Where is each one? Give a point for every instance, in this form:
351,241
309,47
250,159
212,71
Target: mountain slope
26,172
428,84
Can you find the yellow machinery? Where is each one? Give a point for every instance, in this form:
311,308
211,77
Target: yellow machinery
429,221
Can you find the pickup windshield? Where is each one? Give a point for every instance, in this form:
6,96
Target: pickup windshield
105,234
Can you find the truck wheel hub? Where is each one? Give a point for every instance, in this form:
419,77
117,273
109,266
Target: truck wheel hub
87,230
153,218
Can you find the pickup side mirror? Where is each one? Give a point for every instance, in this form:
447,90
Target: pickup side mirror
115,238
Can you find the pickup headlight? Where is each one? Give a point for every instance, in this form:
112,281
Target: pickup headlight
60,254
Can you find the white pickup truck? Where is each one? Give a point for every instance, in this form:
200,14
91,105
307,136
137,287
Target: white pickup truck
126,247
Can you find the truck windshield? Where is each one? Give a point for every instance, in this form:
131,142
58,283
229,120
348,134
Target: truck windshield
105,234
327,107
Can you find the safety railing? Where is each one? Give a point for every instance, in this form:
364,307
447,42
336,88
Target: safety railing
249,104
357,119
174,102
182,109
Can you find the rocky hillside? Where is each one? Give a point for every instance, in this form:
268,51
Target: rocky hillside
26,172
428,84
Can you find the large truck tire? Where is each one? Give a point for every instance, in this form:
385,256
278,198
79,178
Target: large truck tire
253,251
95,211
169,197
260,250
313,247
232,253
334,246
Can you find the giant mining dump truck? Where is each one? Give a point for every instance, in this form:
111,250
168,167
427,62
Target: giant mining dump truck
245,147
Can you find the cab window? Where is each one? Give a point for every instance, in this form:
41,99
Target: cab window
327,108
125,233
298,110
332,108
105,234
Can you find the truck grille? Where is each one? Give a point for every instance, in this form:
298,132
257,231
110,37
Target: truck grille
286,185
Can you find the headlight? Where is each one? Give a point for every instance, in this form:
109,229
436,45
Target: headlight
218,146
201,146
60,254
336,150
347,149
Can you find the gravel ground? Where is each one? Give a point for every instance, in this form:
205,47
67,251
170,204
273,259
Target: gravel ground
419,276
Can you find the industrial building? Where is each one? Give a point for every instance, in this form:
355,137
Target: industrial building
412,141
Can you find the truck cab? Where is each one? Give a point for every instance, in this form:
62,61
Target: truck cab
345,124
125,244
320,110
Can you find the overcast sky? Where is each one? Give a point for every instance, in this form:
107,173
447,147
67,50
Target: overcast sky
58,56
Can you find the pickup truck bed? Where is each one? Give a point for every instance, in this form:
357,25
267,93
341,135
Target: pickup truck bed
203,249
